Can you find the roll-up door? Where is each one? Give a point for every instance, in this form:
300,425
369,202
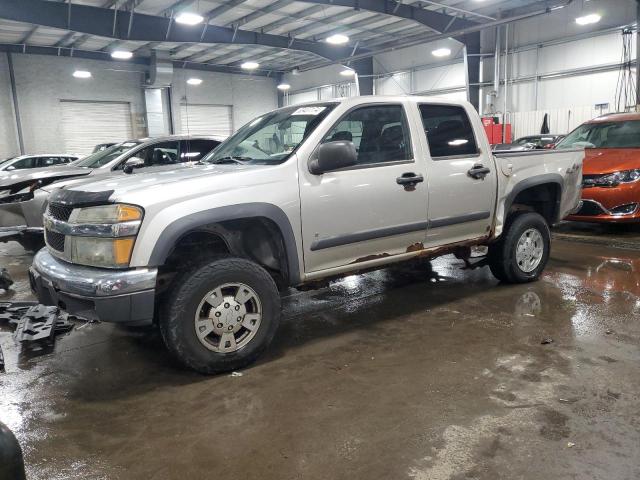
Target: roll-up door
87,123
206,119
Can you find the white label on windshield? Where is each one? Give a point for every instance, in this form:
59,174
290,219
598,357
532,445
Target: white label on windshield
308,111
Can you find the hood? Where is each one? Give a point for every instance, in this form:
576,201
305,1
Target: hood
100,174
162,182
600,161
47,174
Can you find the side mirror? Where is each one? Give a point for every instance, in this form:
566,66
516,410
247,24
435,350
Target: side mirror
333,156
10,167
132,163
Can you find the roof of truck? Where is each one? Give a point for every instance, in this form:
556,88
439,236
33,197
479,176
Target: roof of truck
363,99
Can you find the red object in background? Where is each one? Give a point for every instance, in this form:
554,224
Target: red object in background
494,133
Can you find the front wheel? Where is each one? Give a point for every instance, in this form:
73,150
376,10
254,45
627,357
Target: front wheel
523,250
221,316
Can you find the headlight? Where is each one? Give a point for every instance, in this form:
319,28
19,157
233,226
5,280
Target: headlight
616,178
115,213
100,236
101,252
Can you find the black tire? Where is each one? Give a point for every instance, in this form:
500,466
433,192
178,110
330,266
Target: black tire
502,254
177,314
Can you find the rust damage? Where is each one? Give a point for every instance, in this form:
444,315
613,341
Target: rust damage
368,258
416,247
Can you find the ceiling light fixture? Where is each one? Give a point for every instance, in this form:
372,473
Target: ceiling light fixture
249,65
284,86
121,54
441,52
194,81
337,39
588,19
189,18
82,74
348,72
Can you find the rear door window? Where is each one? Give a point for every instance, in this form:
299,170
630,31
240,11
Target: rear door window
194,150
449,131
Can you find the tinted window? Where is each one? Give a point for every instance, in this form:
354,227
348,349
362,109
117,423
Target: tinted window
28,162
101,158
379,133
194,150
163,153
48,161
449,131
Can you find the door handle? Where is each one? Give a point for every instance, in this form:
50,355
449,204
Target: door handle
478,171
409,180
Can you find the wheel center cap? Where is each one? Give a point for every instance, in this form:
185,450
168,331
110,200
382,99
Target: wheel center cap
227,317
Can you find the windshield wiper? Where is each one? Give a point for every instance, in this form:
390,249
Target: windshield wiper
230,159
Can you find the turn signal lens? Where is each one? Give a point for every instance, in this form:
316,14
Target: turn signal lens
128,212
122,248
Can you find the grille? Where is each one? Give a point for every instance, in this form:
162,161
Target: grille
55,240
590,208
59,211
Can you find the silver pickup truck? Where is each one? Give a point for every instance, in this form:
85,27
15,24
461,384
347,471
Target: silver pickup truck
295,198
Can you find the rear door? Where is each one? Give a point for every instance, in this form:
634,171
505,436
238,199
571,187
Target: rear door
462,180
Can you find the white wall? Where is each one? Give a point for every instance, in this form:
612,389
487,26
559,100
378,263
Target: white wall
248,96
42,81
8,138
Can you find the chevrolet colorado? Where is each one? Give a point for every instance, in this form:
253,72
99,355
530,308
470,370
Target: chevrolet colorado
297,197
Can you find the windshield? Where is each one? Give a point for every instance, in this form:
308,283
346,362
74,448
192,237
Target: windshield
271,138
7,159
604,135
101,158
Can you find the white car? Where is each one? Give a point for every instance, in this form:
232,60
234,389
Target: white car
25,162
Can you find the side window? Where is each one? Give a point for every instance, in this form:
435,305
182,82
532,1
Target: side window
194,150
48,161
164,153
449,131
379,133
24,163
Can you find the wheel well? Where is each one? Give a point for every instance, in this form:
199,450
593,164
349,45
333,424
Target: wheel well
258,239
543,199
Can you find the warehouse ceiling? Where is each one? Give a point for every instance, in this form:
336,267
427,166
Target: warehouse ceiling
280,35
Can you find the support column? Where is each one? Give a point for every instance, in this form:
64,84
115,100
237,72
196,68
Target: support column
364,69
472,64
638,57
16,109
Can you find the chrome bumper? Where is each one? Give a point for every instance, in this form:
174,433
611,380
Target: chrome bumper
124,296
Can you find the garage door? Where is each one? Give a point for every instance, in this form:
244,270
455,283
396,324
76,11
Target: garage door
85,124
206,119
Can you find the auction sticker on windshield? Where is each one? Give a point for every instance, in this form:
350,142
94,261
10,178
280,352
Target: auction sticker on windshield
308,110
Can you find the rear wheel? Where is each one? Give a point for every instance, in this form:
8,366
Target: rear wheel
221,316
523,250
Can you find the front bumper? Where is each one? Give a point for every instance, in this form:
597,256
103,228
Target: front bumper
122,296
603,204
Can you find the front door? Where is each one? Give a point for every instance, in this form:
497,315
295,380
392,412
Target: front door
373,209
462,177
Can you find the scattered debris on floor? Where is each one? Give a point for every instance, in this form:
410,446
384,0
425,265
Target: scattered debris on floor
608,331
571,444
5,279
546,341
1,360
236,374
36,326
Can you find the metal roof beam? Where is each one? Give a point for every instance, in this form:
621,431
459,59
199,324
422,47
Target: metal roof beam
148,28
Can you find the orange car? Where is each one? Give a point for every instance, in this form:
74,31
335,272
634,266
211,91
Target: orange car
611,170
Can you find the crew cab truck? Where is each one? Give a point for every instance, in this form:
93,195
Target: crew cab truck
296,197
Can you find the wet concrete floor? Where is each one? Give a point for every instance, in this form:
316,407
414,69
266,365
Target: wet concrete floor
426,372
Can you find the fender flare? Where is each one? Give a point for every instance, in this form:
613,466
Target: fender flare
535,181
173,232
